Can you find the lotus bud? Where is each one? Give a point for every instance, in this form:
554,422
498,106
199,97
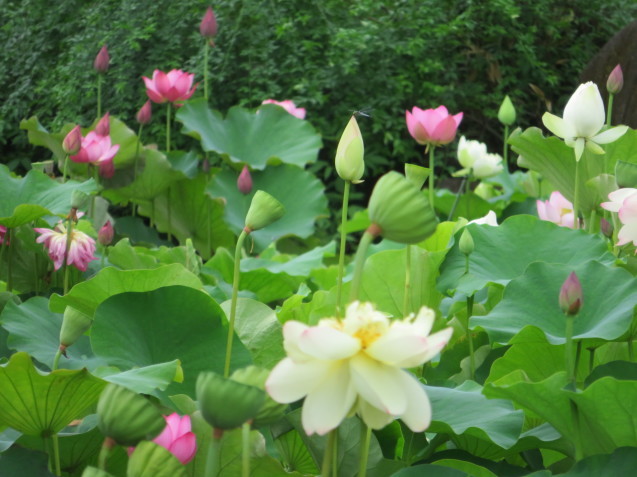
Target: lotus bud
606,228
417,175
571,295
145,113
106,233
127,417
271,411
506,113
79,199
103,127
466,244
74,325
400,210
350,164
91,471
101,60
73,141
615,81
208,26
263,210
244,181
227,404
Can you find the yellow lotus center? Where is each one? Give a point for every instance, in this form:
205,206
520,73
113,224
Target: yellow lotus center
565,211
369,333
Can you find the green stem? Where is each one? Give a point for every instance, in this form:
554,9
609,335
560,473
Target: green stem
591,360
56,360
66,168
69,232
457,199
576,197
56,454
577,439
326,466
11,246
433,444
631,354
233,302
99,95
169,214
505,149
570,362
139,140
214,454
335,456
167,128
578,355
206,91
431,176
366,435
341,256
359,263
472,361
467,185
406,296
245,449
609,113
96,178
107,445
208,228
592,222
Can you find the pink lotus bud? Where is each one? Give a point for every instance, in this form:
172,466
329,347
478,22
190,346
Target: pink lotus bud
615,81
244,182
145,113
432,126
571,295
105,235
103,127
73,141
101,60
606,227
208,26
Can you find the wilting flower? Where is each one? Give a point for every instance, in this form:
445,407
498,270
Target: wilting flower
583,119
145,113
208,26
101,60
624,202
81,249
489,219
557,210
176,85
103,127
3,235
570,298
289,106
96,149
475,160
433,127
615,81
244,181
356,365
106,233
73,141
178,438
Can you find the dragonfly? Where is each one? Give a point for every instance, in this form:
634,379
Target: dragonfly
365,112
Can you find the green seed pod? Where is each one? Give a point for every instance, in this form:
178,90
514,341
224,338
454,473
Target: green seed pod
350,163
79,199
400,210
417,175
74,324
95,472
127,417
506,113
264,210
466,244
152,460
227,404
271,411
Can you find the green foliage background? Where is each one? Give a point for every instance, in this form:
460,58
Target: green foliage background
329,56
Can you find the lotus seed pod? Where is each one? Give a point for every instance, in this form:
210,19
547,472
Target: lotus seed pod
127,417
74,325
271,411
264,210
506,113
214,393
350,163
400,210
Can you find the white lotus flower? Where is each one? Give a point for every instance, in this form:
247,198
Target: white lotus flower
355,365
489,219
475,159
583,119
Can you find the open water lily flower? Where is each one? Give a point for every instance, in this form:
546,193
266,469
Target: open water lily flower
583,120
355,365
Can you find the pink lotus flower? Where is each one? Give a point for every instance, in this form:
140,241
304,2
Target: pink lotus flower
177,438
176,85
433,127
3,235
557,210
244,181
624,202
289,106
81,249
73,141
96,149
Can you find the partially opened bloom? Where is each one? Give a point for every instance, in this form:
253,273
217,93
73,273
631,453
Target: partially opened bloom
433,127
289,106
557,210
355,365
96,149
73,141
106,233
583,120
171,87
624,202
145,113
81,249
475,160
178,438
490,219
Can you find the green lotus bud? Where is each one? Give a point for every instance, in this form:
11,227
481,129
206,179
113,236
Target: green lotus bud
506,113
127,417
466,244
400,210
350,163
95,472
417,175
271,411
264,210
74,324
227,404
153,460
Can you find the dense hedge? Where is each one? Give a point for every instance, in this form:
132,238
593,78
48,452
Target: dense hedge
329,56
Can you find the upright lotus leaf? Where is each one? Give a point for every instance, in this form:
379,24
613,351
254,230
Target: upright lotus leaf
24,199
192,214
610,297
503,253
300,192
624,150
268,136
127,140
175,322
88,295
39,136
39,404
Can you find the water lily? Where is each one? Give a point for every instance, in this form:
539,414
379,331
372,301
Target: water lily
583,120
81,249
624,202
289,106
355,365
172,87
557,210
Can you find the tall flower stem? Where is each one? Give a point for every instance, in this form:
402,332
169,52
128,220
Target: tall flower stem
168,106
245,450
56,360
66,168
69,234
570,361
609,113
366,435
11,246
213,462
233,302
406,296
431,176
576,197
206,84
341,256
99,95
472,359
359,260
505,149
139,141
466,195
107,445
56,454
326,466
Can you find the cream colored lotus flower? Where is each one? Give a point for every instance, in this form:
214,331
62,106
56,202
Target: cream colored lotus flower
475,160
355,365
583,119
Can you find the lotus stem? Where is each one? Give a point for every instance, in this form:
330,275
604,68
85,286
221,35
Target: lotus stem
359,261
107,445
466,196
65,168
472,360
11,246
245,449
570,361
431,177
69,232
326,466
99,95
233,302
56,454
167,128
56,360
341,255
406,296
214,454
505,149
206,85
366,435
609,113
576,197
